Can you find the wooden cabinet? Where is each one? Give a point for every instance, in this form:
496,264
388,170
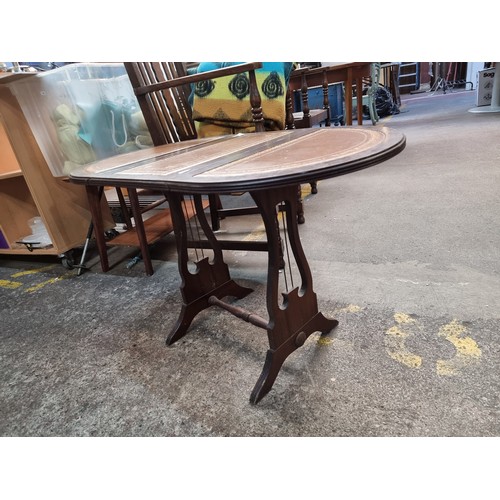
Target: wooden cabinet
28,189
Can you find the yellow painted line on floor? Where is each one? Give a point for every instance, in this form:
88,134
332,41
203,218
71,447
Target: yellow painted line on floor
395,342
39,286
33,271
16,284
468,352
11,285
43,284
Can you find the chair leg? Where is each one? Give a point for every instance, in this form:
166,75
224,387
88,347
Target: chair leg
300,206
214,204
123,208
140,230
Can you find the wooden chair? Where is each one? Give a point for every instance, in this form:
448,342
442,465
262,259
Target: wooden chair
163,90
310,117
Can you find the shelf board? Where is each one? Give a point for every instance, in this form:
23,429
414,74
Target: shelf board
9,175
23,251
155,227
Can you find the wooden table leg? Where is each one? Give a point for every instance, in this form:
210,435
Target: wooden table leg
94,195
348,97
290,323
210,279
293,321
359,100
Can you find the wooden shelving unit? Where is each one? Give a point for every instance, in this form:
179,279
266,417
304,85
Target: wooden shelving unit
28,189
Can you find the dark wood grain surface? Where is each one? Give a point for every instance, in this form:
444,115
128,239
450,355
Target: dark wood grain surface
247,162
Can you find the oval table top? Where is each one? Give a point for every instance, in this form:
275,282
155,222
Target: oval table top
246,162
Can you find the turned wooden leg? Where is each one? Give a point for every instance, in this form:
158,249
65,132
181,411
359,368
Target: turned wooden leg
215,206
300,206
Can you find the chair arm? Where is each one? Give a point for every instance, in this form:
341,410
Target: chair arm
198,77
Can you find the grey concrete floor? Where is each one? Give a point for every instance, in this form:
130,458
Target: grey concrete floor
404,254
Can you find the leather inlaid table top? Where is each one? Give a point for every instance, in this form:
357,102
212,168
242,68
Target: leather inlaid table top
247,162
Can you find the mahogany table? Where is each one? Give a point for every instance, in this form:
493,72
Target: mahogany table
269,166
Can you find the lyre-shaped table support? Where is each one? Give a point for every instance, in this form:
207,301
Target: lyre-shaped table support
290,323
209,279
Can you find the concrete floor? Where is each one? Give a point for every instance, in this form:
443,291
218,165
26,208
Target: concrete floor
404,254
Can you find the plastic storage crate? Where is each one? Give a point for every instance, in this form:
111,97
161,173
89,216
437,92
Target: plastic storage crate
82,112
